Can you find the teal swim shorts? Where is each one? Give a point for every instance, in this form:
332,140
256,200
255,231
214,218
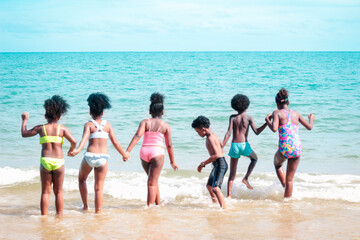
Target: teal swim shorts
240,149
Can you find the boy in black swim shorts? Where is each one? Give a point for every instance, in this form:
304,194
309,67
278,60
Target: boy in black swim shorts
213,144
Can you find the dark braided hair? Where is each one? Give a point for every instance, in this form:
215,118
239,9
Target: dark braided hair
97,103
55,107
156,106
282,97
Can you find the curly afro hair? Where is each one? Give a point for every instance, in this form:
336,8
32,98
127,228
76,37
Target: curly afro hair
240,103
55,107
157,104
282,97
97,103
201,122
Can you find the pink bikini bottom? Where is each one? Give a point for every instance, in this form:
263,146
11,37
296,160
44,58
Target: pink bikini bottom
149,152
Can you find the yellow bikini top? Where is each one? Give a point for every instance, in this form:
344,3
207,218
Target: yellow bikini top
51,139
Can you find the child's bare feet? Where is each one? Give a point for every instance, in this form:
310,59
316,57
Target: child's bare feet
229,197
247,184
214,199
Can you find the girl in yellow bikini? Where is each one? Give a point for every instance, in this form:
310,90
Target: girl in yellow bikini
52,168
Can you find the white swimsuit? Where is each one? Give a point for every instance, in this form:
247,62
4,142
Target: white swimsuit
95,159
100,133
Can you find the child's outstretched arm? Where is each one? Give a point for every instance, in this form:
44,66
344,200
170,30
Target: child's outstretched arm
308,125
170,149
274,125
117,145
70,138
228,133
28,133
136,137
256,130
85,137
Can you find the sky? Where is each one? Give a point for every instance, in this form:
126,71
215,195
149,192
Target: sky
182,25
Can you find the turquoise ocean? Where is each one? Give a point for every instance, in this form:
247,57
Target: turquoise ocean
326,84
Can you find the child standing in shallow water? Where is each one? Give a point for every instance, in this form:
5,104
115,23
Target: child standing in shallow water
286,122
96,155
213,144
152,152
52,168
239,125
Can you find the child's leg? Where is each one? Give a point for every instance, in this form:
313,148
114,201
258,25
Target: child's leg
46,180
100,174
233,166
290,172
58,180
84,171
253,158
154,171
157,199
279,159
220,197
212,194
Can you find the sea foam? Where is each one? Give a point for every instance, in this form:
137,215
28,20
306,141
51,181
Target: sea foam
184,187
10,175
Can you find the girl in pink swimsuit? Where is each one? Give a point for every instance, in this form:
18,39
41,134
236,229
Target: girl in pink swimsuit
286,122
152,151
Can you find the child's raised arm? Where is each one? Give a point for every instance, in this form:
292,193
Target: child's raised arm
170,149
256,130
116,143
307,125
85,137
70,138
28,133
137,136
228,133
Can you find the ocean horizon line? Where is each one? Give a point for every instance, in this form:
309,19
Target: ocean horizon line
196,51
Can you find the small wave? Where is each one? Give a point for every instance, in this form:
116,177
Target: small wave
188,186
10,175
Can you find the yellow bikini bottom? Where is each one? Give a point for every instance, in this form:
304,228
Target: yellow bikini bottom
51,164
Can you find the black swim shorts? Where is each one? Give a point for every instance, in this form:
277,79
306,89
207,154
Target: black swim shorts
218,172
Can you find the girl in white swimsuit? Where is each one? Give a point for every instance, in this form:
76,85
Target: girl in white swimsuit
96,155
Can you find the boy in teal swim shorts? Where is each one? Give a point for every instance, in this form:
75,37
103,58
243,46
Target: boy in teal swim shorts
239,125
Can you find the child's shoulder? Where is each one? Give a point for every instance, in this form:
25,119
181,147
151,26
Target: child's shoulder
233,116
39,127
212,136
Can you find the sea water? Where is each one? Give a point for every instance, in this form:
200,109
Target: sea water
326,84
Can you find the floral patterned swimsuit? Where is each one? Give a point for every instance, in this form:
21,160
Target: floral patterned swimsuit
289,141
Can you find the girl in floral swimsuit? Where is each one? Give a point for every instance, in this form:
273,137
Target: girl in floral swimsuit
286,122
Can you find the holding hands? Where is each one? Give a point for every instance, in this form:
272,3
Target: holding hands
126,156
268,118
73,153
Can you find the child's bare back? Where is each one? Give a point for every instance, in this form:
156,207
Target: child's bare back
240,127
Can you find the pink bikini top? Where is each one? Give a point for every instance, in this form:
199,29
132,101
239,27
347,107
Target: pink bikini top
153,138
